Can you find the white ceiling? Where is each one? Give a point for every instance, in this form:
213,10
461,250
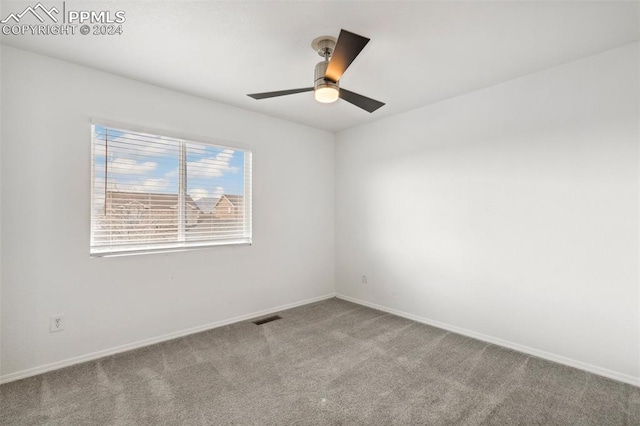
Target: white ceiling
420,52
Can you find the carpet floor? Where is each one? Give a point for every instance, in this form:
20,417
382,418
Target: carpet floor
327,363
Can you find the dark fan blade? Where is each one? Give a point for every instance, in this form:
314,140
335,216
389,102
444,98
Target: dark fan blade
349,45
360,101
279,93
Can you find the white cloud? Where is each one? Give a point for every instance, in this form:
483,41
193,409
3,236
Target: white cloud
198,193
127,166
197,148
219,191
212,166
228,153
155,184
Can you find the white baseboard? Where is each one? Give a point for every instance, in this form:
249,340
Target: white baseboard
489,339
500,342
146,342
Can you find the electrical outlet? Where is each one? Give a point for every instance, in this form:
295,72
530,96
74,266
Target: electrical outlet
364,279
56,323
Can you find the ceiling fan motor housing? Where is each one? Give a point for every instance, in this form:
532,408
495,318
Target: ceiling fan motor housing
319,81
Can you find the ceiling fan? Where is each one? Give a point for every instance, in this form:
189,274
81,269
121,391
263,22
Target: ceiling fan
338,55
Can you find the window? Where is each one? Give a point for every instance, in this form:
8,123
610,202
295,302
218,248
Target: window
153,193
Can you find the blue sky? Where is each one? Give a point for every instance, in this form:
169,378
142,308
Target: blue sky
145,163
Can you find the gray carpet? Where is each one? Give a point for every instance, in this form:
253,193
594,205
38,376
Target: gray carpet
326,363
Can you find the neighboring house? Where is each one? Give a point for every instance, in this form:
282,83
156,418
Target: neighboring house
147,216
229,207
222,217
138,215
207,204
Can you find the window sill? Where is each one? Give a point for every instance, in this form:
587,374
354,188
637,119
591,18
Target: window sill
104,252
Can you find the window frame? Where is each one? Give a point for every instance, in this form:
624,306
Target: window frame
173,246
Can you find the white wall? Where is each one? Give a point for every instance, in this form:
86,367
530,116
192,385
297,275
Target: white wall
510,213
0,206
107,302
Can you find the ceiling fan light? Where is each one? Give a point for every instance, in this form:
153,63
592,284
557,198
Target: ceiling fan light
326,94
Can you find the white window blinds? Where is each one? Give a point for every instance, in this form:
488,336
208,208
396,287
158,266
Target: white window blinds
152,192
